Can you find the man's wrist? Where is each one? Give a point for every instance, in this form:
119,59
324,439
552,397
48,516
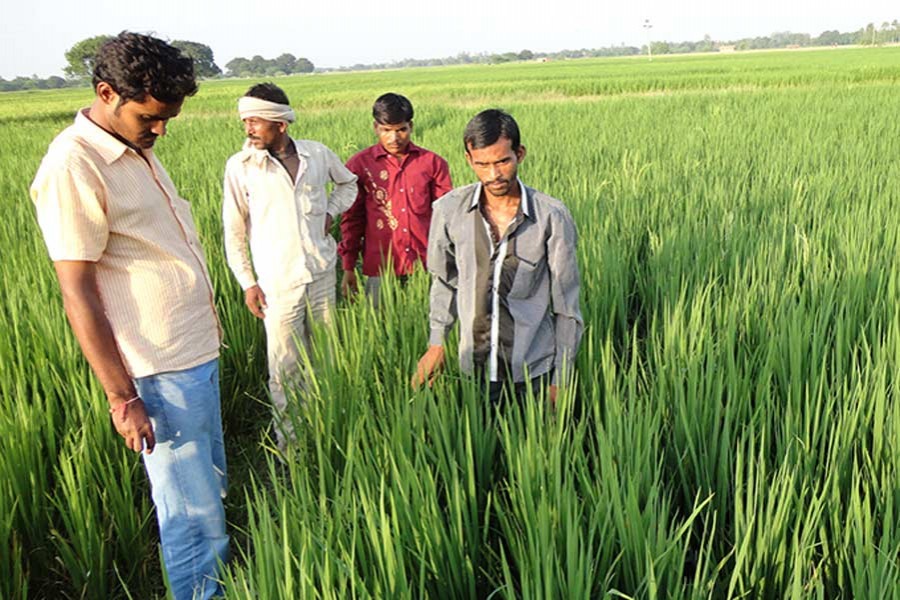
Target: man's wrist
119,397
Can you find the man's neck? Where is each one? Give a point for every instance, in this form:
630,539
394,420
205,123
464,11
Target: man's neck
283,148
510,200
96,116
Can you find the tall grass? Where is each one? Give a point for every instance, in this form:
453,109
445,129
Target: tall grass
734,429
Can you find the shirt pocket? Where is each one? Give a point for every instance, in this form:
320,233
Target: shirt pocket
313,200
420,194
530,270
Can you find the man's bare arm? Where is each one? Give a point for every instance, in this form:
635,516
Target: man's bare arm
84,309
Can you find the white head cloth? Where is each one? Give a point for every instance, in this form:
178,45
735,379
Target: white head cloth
263,109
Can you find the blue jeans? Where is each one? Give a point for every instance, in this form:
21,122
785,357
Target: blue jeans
187,475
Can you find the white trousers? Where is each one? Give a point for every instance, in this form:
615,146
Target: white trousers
287,336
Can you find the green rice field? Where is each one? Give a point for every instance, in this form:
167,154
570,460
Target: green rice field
735,427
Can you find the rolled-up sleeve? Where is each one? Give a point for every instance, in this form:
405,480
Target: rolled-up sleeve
564,289
236,219
444,279
344,193
353,223
71,211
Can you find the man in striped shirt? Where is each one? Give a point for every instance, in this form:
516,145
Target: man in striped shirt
502,259
138,296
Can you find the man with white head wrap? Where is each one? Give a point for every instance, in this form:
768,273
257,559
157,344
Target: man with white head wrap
275,200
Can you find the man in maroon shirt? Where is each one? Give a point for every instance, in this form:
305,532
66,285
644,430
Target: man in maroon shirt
397,183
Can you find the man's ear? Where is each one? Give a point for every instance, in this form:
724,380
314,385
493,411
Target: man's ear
106,94
520,153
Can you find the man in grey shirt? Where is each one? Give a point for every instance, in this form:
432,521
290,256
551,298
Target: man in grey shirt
502,258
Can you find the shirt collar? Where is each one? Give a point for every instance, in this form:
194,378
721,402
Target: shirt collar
106,144
378,150
248,152
525,202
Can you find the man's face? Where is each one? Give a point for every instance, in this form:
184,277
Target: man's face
496,166
263,134
139,123
394,137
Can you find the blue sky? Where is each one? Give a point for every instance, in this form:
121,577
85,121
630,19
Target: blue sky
34,35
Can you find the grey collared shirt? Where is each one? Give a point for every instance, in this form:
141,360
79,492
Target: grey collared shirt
516,297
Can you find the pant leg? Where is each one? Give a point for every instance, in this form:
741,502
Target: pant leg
373,288
287,337
285,325
321,297
187,474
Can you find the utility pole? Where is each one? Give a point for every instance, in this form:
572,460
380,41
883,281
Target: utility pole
647,27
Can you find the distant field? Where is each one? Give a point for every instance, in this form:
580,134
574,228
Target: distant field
735,431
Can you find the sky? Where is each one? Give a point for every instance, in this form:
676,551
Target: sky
35,34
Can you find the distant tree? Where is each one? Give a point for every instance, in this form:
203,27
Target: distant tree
81,56
526,55
238,67
55,82
258,65
286,62
202,55
867,35
828,38
660,48
304,65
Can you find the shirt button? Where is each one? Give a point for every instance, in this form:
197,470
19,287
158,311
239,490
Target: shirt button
402,210
407,249
401,190
405,230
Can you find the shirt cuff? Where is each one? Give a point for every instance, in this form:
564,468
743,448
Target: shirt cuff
437,335
246,281
349,262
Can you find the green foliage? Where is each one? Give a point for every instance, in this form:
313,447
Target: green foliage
285,64
204,64
735,429
80,57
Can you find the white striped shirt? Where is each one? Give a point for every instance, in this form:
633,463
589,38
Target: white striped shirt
98,200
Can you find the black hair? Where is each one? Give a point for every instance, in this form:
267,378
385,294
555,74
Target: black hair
135,65
268,91
392,109
487,127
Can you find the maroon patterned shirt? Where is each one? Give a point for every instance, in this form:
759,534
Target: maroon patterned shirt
392,211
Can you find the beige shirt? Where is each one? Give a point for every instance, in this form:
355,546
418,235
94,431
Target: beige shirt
283,220
98,200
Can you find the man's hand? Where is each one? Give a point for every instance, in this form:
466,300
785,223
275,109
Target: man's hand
87,316
133,425
255,300
349,284
329,221
431,363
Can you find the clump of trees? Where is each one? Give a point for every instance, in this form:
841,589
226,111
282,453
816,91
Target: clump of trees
80,57
34,82
80,65
871,34
286,64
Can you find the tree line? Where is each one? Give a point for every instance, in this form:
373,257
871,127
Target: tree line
80,57
80,66
887,33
